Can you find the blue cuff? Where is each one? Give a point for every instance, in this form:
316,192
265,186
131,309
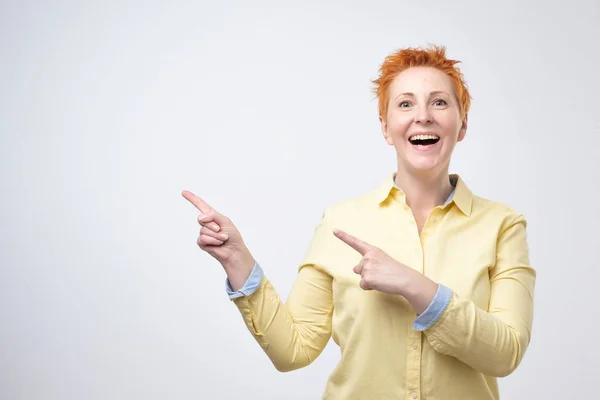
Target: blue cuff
435,310
252,283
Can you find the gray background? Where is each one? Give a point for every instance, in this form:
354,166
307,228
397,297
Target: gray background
109,109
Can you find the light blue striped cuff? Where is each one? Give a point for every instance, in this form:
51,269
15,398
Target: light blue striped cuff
252,283
435,310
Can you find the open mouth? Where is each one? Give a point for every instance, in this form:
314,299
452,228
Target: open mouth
423,140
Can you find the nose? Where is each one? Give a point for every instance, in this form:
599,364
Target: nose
423,115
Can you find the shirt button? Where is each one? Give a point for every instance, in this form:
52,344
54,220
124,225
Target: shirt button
414,396
415,346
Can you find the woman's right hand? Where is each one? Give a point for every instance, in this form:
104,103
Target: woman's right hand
220,238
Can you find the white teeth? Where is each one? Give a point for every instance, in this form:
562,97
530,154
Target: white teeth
424,137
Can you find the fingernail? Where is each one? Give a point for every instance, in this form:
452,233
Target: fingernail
203,218
224,236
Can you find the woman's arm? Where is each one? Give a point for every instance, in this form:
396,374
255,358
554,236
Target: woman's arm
293,334
491,341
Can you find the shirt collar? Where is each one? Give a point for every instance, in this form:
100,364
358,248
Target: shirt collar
461,195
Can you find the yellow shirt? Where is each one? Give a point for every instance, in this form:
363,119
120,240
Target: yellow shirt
475,247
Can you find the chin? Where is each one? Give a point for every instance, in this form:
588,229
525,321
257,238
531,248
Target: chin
424,164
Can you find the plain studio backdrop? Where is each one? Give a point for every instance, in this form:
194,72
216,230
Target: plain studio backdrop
108,110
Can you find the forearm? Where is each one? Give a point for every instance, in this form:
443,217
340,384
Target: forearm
292,334
492,343
288,344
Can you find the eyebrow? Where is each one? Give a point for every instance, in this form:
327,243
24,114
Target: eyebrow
431,93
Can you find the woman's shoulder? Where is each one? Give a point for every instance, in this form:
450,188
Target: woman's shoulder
476,206
499,210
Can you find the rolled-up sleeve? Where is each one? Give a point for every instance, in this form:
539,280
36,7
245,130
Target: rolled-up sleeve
250,286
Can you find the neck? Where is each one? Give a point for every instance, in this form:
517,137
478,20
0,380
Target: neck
424,192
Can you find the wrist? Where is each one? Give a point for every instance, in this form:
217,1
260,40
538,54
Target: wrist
238,270
409,283
241,262
419,291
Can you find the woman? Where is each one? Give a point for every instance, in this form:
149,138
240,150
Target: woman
426,287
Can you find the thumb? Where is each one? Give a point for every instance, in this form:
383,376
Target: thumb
214,216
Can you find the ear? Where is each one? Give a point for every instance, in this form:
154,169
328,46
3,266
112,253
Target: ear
463,129
384,130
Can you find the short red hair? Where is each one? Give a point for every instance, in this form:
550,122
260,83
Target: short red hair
434,56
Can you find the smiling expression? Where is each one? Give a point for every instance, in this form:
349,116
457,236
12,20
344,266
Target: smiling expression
423,120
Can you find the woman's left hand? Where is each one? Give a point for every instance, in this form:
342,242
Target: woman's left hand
377,269
381,272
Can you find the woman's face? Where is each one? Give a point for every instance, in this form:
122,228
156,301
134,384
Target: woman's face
423,121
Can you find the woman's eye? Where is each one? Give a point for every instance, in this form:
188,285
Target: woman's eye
440,102
404,104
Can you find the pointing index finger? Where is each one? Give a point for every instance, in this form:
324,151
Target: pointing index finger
196,201
355,243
